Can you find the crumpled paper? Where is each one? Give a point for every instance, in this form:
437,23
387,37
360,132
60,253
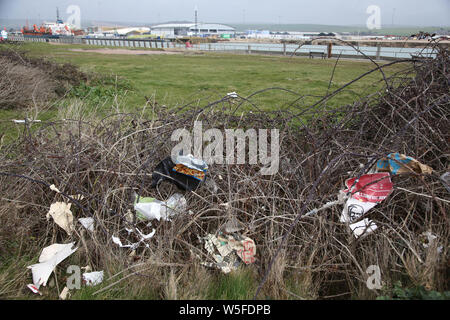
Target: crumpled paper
87,223
61,214
93,278
226,250
50,257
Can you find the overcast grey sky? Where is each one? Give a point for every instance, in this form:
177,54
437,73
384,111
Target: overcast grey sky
332,12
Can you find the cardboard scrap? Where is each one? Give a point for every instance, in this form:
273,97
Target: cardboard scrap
370,187
229,247
50,257
246,250
366,193
61,214
226,260
354,209
397,163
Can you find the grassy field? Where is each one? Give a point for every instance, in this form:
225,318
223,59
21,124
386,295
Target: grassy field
178,79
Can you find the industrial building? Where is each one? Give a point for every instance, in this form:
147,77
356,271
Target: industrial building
286,35
175,30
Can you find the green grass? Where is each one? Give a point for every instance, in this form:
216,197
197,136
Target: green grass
238,285
179,79
175,80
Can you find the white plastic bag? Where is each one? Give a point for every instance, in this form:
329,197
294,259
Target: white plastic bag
151,208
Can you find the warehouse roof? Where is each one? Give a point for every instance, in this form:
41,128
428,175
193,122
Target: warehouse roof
192,25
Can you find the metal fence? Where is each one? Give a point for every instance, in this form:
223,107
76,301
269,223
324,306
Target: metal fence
379,52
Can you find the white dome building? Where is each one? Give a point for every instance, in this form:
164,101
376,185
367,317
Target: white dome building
174,30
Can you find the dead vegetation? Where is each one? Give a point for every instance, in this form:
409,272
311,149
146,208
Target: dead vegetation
108,159
26,81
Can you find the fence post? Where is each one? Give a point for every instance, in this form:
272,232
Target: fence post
330,48
378,51
249,51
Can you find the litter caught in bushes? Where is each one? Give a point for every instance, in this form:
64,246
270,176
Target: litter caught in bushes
150,208
231,248
397,163
366,193
186,172
50,257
